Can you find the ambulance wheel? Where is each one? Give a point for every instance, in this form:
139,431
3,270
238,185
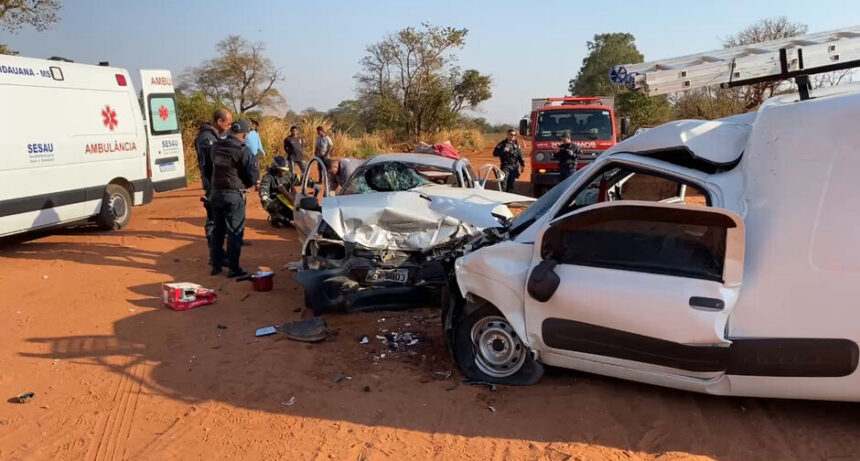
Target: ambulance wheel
486,348
116,208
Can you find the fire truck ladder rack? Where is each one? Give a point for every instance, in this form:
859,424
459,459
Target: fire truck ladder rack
776,60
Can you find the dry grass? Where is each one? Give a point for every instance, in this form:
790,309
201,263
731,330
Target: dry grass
273,130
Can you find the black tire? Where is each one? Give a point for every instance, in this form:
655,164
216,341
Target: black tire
116,208
514,364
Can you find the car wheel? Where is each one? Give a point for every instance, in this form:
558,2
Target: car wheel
116,208
486,348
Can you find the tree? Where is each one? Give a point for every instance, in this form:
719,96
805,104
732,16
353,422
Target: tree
7,51
40,14
605,51
762,31
347,117
409,81
240,76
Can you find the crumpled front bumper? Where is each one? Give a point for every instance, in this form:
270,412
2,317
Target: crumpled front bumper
344,289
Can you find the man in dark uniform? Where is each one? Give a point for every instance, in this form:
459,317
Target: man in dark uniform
234,170
295,149
277,180
567,155
511,158
208,135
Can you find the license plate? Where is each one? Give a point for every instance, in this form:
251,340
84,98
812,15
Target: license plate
167,167
387,275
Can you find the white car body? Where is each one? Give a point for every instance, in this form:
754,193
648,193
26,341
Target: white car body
385,249
784,323
70,130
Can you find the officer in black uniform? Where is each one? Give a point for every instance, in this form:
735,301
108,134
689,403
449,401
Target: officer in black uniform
567,155
208,135
511,158
234,170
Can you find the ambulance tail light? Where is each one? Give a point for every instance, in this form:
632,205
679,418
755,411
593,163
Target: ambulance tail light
120,80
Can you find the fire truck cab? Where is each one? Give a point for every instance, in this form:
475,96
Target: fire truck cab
590,123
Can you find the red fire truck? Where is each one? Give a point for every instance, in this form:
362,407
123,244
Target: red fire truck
590,123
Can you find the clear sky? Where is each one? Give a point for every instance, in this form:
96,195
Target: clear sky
531,48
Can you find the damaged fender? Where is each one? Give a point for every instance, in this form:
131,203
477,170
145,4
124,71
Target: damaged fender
509,262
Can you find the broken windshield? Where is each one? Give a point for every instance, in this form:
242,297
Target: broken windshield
579,124
395,177
543,204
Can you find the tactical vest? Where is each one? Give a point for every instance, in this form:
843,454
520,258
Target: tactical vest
226,161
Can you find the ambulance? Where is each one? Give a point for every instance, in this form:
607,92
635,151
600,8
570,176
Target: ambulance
77,143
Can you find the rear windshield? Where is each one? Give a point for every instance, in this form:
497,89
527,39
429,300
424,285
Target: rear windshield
162,114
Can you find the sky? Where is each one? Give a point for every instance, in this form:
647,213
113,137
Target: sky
530,48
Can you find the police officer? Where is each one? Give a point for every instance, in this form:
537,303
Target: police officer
567,154
511,158
234,169
208,135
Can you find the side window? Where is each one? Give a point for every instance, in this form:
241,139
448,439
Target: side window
469,175
619,183
162,114
670,241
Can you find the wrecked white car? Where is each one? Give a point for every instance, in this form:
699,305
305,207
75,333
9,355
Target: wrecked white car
382,241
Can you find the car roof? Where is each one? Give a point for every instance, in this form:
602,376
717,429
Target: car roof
436,161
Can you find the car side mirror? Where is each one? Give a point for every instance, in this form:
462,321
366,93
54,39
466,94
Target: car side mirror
543,281
524,127
626,129
309,204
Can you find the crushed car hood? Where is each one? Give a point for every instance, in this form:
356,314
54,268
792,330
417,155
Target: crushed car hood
419,219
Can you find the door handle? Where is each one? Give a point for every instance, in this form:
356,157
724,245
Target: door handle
707,304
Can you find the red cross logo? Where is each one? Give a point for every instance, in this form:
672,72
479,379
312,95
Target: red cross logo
162,113
109,118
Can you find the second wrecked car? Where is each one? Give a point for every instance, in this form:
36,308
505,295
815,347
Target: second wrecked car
381,243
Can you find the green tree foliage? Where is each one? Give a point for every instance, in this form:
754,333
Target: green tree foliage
194,108
605,51
240,77
40,14
7,51
347,117
409,81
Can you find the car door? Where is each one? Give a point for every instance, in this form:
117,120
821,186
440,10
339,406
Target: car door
308,214
165,157
637,283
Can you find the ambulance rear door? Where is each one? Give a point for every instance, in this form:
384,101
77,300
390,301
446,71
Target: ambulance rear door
165,157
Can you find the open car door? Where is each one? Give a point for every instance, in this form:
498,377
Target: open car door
494,175
641,285
307,212
165,159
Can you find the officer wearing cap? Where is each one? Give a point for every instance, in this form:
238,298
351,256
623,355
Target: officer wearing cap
511,158
234,170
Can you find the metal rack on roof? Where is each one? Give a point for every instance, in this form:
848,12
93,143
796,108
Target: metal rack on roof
795,57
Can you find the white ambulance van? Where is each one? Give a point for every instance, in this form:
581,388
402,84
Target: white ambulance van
76,143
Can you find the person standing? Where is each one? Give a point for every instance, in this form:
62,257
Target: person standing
253,141
324,146
208,135
339,170
295,149
567,154
511,158
234,170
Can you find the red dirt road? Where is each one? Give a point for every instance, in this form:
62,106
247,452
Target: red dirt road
117,376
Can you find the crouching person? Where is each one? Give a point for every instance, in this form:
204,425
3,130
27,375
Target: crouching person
276,181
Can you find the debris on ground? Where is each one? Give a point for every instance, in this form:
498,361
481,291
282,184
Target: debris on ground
366,389
293,266
245,297
311,330
491,408
290,402
363,340
445,374
396,341
338,377
221,327
490,386
265,331
182,296
23,398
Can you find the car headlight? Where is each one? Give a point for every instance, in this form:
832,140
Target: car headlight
540,157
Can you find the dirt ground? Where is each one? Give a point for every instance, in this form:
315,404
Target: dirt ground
117,376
